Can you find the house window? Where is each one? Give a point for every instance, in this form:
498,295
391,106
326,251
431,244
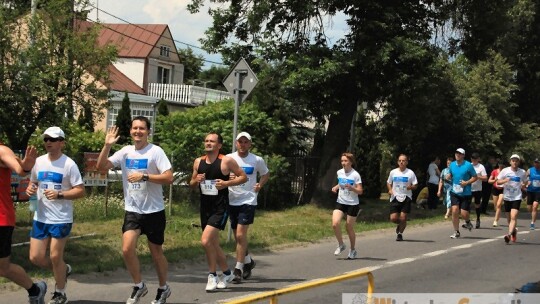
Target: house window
164,51
163,75
136,110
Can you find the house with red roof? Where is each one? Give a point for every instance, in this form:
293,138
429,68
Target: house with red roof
148,68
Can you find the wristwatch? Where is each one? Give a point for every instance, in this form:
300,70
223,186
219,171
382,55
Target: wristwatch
144,177
60,195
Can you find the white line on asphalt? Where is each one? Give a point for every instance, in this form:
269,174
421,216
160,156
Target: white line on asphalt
412,259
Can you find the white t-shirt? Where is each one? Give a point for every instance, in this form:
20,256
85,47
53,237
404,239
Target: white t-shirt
142,197
61,174
512,188
480,171
399,181
347,197
244,194
432,171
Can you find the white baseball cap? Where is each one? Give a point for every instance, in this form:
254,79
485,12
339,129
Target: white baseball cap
54,132
460,150
243,134
515,156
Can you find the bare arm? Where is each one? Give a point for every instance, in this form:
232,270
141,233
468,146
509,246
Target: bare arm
233,167
262,181
103,164
358,189
8,159
165,178
389,187
196,178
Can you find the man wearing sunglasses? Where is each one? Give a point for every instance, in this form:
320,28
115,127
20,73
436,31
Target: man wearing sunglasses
57,181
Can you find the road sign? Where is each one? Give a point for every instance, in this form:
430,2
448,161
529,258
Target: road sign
248,80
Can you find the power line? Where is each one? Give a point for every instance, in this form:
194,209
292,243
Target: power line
149,44
147,30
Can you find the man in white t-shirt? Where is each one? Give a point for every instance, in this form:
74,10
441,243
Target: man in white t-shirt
145,168
476,187
401,181
243,201
56,181
514,180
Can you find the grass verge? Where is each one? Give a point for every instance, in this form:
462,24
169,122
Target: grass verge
96,246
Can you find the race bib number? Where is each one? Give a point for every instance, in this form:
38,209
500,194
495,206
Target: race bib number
457,188
242,187
137,187
536,183
346,194
208,187
401,197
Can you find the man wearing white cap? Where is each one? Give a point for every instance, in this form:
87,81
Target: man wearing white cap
514,180
243,201
57,181
462,175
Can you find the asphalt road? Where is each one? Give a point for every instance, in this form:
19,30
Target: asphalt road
427,261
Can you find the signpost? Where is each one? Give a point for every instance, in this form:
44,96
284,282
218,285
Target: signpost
239,82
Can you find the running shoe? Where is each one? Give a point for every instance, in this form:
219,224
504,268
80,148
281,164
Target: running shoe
469,226
352,254
456,235
507,239
477,224
246,273
532,226
514,235
137,294
399,237
211,285
495,224
58,298
40,298
237,276
340,249
225,279
162,295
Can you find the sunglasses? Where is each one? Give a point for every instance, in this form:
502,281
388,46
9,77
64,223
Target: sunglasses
51,139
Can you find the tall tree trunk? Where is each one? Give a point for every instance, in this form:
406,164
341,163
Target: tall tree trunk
335,143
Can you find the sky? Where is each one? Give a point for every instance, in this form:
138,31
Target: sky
186,28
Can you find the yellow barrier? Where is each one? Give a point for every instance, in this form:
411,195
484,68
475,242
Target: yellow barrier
272,295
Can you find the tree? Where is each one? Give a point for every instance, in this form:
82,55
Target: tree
123,121
214,77
44,79
192,64
162,108
328,79
162,112
86,118
182,134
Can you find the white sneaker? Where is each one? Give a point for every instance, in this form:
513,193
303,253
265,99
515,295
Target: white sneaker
224,280
212,283
352,254
339,249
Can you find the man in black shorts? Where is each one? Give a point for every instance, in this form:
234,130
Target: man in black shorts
145,168
211,174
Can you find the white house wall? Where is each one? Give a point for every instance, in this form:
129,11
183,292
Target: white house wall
133,68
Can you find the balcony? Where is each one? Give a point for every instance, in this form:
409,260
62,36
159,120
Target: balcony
186,94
